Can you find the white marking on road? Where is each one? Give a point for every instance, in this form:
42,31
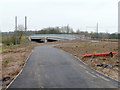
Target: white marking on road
78,64
82,66
90,74
102,77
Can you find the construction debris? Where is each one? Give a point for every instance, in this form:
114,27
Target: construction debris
101,54
108,65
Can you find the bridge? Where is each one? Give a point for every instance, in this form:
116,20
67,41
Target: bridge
54,37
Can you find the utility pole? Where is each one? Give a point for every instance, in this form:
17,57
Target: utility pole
25,34
97,32
16,31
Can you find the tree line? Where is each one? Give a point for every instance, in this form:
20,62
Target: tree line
68,30
9,38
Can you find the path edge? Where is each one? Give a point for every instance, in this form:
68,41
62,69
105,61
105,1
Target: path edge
20,71
91,68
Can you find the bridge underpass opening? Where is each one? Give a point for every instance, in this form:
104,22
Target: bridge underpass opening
37,40
43,40
51,40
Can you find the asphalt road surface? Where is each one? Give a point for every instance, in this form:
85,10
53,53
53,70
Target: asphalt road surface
49,67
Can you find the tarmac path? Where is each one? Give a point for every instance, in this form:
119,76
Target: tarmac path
49,67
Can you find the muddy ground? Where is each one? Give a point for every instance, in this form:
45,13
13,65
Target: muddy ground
105,46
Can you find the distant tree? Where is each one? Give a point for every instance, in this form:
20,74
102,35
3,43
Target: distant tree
49,30
20,33
113,36
20,30
78,31
9,38
118,36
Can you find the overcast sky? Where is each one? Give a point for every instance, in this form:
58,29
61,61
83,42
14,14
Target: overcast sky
79,14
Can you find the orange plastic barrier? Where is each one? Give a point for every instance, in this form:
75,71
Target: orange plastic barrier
102,54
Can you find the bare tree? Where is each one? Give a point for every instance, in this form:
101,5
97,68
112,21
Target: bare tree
20,30
78,31
20,33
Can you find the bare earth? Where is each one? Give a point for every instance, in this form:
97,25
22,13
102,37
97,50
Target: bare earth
105,46
13,61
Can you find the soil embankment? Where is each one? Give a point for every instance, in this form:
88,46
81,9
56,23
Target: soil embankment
105,46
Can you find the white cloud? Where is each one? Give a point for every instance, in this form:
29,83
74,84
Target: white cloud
44,13
58,1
